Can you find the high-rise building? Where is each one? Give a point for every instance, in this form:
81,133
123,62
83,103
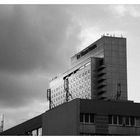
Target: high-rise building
98,76
97,72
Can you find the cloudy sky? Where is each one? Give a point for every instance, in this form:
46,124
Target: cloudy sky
37,41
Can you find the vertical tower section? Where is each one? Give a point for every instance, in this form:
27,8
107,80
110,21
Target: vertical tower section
116,67
98,78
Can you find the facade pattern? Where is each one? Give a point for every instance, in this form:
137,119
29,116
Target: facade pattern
79,85
97,72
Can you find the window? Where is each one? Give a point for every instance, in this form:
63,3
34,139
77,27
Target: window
137,121
40,132
110,119
120,118
86,118
127,120
92,118
132,121
34,133
81,117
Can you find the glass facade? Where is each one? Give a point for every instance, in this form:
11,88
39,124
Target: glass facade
79,85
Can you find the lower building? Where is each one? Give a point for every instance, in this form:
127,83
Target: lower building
32,127
84,117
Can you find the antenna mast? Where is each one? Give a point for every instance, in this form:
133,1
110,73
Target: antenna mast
66,88
2,123
118,91
49,99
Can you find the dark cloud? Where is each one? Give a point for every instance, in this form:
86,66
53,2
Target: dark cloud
17,91
32,38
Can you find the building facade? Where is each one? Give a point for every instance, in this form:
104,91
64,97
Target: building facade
90,98
83,117
97,72
32,127
93,117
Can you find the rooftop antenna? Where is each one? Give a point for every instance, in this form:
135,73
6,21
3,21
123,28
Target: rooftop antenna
118,91
66,88
121,35
2,123
51,105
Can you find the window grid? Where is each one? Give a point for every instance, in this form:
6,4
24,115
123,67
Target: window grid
122,120
79,86
87,118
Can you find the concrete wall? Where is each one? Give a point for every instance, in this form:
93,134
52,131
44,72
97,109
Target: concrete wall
127,131
127,108
63,120
116,66
97,52
25,127
87,128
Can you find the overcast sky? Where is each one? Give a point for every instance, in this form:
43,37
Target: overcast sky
37,41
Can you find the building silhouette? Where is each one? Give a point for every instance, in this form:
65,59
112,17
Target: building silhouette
90,98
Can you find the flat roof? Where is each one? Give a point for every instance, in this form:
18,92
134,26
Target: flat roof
91,45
